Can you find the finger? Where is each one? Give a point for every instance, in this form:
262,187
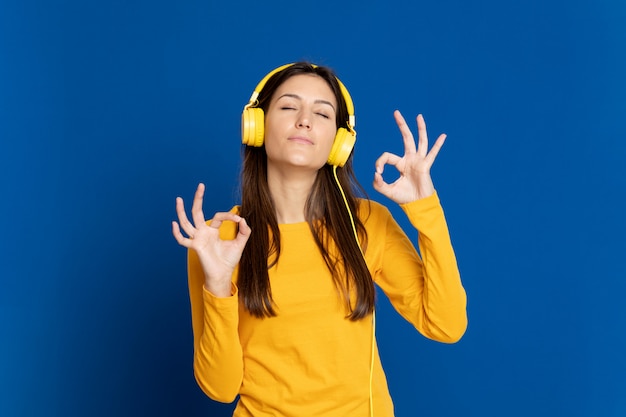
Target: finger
221,217
407,135
380,185
434,151
244,231
384,159
196,209
182,240
422,147
185,224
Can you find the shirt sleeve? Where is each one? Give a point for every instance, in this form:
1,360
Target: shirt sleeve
218,359
427,290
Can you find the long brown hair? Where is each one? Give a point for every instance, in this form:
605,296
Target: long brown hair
325,212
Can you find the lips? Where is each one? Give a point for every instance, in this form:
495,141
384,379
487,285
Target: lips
300,139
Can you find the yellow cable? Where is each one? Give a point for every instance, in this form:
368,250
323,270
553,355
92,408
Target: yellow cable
356,237
345,200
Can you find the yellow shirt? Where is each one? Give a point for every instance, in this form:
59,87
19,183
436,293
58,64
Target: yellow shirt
310,360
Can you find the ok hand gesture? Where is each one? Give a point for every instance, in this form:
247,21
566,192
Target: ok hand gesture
414,167
218,257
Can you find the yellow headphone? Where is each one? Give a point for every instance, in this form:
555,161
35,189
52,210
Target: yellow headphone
253,124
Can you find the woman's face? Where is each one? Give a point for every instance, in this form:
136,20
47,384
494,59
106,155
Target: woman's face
300,123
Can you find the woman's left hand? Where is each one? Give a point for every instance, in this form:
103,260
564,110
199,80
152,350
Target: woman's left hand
414,167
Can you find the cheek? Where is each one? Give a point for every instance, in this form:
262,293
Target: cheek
329,138
269,130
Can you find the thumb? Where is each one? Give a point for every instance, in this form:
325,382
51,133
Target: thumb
244,231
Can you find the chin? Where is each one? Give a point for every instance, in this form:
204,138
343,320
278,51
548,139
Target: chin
297,162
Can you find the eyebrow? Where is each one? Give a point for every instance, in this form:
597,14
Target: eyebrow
318,101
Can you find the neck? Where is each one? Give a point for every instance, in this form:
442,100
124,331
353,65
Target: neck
290,193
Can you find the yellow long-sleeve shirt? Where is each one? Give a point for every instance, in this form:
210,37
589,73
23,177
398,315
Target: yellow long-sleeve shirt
310,360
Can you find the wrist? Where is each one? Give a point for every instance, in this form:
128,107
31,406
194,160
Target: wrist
424,189
219,288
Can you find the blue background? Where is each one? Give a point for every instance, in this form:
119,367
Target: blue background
109,110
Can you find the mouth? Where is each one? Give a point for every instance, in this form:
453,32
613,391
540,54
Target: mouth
300,139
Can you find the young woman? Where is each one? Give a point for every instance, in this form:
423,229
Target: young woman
282,287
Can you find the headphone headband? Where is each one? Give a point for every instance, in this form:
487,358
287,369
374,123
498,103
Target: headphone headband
344,92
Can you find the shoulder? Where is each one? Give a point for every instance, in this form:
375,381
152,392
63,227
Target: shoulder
372,213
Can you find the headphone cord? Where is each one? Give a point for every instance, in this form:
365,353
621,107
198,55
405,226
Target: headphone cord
356,237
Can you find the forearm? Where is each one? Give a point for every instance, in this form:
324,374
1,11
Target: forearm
218,363
218,360
443,316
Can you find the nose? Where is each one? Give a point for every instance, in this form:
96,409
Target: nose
304,120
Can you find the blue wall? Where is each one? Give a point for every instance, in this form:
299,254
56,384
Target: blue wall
109,110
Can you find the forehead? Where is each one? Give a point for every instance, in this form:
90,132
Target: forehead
306,86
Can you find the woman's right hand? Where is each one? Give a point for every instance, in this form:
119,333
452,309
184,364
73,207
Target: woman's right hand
218,257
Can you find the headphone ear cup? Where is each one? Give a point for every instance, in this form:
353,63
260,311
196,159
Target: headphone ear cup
252,127
342,146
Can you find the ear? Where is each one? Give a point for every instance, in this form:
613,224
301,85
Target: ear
252,126
342,147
